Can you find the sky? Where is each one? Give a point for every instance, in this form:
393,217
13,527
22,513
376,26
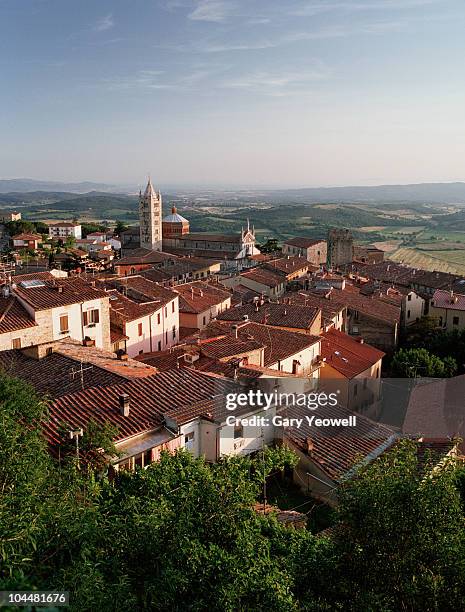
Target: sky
276,93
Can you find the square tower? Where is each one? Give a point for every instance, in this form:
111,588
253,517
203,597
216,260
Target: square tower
150,219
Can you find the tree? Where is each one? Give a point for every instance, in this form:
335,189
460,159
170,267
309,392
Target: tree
120,227
418,362
404,540
270,246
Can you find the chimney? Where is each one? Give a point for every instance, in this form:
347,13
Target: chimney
310,445
124,402
121,355
360,340
235,328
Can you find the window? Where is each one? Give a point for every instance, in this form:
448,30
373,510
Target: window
64,325
16,343
166,337
408,314
238,431
159,345
409,297
141,352
172,306
356,315
355,329
355,390
166,311
91,317
204,320
148,457
189,440
139,329
174,332
455,321
158,318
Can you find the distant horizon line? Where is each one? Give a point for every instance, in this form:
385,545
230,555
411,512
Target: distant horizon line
225,186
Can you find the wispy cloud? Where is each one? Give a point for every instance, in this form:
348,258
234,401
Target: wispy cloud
143,79
278,83
105,23
310,9
211,10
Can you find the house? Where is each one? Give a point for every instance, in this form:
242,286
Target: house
183,270
200,302
59,307
263,281
375,320
26,241
141,259
292,317
412,305
449,308
262,345
291,267
353,370
314,251
98,236
140,409
65,229
145,313
9,215
328,455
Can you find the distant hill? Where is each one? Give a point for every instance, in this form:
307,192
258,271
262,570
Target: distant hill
422,192
27,185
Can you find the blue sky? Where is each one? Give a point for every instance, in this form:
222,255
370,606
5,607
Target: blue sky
233,92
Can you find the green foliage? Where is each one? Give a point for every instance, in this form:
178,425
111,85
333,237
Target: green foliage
182,534
120,227
270,246
419,362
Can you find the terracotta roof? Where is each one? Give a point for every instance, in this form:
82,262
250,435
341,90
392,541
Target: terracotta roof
263,276
142,290
13,316
58,292
64,224
388,271
277,315
222,347
336,449
279,343
107,360
369,306
60,373
25,236
243,294
303,243
116,334
150,399
329,309
143,256
17,278
196,297
157,275
287,265
125,309
448,299
346,355
199,236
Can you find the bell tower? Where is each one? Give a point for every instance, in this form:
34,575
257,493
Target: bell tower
150,218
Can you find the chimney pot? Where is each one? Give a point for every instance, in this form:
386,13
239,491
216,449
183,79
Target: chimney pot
124,402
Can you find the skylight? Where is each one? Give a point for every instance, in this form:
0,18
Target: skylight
30,284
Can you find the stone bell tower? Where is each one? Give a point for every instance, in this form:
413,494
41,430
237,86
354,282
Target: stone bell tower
150,218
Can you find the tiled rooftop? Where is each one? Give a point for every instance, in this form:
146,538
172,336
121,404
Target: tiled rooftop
58,292
346,355
198,296
278,315
303,243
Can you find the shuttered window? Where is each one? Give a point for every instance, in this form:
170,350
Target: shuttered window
64,326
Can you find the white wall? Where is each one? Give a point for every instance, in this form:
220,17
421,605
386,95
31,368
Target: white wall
307,357
155,335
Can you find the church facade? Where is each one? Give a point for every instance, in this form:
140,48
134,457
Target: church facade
172,235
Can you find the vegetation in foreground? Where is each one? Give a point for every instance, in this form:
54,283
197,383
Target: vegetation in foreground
181,535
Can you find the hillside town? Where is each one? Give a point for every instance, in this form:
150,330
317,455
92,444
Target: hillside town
149,328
